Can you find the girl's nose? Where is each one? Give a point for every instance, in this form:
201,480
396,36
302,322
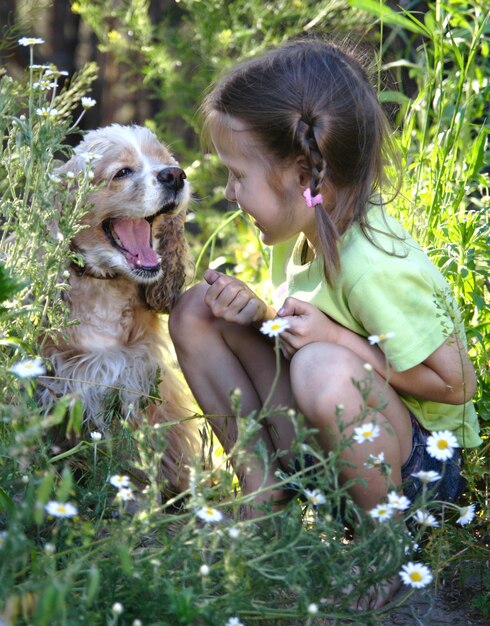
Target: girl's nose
230,191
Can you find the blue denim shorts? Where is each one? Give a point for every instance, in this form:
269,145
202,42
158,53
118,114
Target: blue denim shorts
452,483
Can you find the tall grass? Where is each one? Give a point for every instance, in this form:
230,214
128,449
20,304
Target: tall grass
160,563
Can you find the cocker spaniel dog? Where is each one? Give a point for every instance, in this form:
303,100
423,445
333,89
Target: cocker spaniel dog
134,266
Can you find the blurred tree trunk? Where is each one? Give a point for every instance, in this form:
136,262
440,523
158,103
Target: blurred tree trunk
63,35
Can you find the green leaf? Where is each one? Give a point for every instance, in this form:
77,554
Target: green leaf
46,609
8,286
76,417
65,486
93,584
388,16
42,496
394,96
6,502
125,559
59,411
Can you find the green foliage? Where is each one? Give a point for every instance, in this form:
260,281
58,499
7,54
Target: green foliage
163,562
36,231
444,141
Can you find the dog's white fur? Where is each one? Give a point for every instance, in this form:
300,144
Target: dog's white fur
119,341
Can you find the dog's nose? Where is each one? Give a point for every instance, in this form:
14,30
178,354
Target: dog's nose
172,178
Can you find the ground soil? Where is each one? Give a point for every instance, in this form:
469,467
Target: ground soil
454,601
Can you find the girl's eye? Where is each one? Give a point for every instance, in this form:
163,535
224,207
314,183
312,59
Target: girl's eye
123,172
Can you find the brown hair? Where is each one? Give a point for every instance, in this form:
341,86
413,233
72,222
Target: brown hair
313,99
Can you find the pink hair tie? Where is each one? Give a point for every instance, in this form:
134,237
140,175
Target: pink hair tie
312,201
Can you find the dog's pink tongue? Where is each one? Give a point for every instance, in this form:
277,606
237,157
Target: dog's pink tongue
135,236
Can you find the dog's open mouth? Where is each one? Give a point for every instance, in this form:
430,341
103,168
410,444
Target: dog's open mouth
133,238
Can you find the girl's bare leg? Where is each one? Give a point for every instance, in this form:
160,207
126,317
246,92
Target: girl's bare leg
218,357
321,379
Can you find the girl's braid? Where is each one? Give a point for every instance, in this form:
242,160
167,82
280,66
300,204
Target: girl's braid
328,234
305,137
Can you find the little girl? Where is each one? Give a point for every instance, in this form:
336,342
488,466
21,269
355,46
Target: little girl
305,142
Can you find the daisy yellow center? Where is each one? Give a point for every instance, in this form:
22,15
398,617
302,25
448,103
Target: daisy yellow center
61,509
442,444
275,326
368,433
210,511
415,577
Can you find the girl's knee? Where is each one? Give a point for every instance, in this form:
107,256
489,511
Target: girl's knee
320,377
189,314
324,359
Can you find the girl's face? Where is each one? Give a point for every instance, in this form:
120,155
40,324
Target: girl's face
278,216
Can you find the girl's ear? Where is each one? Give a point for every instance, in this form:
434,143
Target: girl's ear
303,173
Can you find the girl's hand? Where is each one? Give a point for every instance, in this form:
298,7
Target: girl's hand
232,300
307,324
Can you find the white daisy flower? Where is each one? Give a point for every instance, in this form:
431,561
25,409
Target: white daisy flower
209,514
274,327
88,103
234,621
315,496
427,477
95,436
413,548
312,608
137,622
204,570
416,575
125,494
374,460
233,532
55,72
90,156
61,509
425,519
117,608
382,512
47,112
119,481
375,339
466,514
30,41
28,368
398,502
366,432
44,85
441,444
49,548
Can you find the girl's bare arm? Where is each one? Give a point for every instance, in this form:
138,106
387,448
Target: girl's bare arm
447,375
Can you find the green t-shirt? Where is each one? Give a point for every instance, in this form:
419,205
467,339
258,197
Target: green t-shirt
391,287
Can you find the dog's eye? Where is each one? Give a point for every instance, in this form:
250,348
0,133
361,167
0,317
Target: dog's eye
123,172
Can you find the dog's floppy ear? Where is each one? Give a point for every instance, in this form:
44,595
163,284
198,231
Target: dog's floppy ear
175,261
